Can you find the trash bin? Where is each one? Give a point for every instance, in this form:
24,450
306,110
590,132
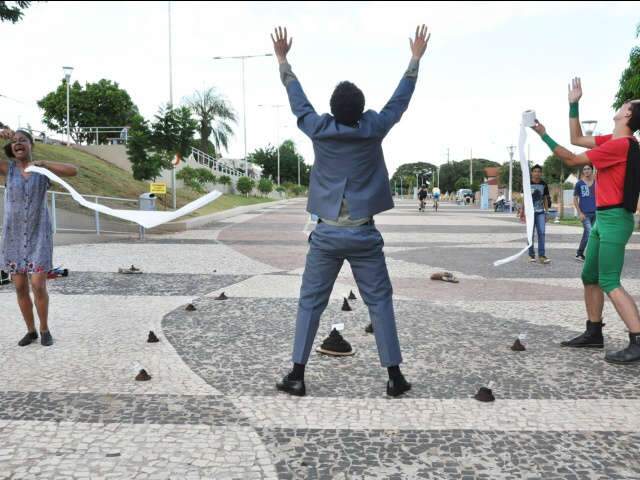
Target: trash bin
147,201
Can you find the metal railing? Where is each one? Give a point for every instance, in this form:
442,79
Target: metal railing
68,216
119,135
214,164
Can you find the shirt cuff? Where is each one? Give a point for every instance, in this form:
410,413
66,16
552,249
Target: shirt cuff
412,71
286,74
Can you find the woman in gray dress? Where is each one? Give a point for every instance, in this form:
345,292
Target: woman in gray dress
26,248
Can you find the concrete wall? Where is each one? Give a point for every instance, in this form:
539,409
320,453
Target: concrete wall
114,154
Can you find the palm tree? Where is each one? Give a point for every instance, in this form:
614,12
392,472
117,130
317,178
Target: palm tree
214,115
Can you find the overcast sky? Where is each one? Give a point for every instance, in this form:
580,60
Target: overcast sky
486,63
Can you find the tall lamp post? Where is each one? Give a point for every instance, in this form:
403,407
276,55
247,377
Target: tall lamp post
277,109
511,149
67,76
244,103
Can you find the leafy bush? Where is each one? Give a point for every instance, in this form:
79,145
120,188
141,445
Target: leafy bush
224,180
245,185
265,186
196,178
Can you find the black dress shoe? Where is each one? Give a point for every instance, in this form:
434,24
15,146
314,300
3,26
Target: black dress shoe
591,338
28,339
292,387
46,340
397,386
631,354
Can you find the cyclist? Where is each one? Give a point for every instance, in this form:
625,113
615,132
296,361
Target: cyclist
436,197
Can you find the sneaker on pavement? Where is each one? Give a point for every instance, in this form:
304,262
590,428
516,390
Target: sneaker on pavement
544,260
580,258
532,259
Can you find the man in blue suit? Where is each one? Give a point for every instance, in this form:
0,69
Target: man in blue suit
349,185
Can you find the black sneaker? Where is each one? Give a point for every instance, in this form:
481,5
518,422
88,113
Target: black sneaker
46,340
580,258
397,386
28,339
591,338
335,345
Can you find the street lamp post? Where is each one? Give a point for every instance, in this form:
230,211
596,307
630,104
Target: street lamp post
277,109
67,76
511,149
244,103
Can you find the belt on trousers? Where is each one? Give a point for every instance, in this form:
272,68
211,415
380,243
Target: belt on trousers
370,222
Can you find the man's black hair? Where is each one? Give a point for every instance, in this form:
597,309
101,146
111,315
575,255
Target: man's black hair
347,104
536,166
634,121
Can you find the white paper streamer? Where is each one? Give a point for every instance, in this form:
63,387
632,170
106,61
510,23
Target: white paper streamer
528,120
142,218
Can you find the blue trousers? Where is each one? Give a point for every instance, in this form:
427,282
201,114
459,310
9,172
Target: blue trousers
588,223
539,225
329,247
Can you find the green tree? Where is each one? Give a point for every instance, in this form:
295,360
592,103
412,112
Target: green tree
102,104
13,11
426,172
265,186
267,158
155,146
215,116
145,165
629,84
172,132
245,185
503,177
462,182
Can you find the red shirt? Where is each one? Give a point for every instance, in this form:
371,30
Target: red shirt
610,158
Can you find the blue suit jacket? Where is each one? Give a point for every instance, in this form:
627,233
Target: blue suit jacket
349,161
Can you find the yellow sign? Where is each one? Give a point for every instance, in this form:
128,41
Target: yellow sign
158,188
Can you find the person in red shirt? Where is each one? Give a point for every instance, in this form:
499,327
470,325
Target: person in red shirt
617,158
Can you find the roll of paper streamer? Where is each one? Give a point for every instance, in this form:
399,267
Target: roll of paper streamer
528,118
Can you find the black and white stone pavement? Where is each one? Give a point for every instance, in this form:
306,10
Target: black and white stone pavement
211,410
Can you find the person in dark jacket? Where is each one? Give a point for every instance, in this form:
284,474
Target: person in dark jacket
349,185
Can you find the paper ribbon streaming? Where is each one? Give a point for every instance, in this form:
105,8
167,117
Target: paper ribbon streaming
142,218
528,119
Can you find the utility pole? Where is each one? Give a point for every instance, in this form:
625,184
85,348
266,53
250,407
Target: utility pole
511,149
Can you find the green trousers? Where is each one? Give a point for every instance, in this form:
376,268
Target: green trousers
605,249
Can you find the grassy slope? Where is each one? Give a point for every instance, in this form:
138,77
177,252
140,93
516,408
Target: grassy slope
98,177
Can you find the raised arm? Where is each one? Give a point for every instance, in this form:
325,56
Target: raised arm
575,128
569,158
5,134
60,169
300,105
399,102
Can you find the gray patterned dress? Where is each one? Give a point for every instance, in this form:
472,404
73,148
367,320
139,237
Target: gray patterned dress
27,240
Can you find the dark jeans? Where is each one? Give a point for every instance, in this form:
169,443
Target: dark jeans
588,223
539,225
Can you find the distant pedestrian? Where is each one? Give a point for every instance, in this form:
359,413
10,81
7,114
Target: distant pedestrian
584,200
